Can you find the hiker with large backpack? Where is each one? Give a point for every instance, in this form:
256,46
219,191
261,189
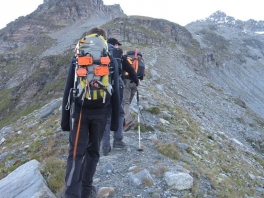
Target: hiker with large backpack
124,66
136,61
88,97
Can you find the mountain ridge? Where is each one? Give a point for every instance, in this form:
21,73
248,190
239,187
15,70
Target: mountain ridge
199,102
221,18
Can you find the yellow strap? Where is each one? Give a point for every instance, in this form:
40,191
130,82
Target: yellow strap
101,37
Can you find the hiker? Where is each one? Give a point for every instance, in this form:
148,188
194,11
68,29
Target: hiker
113,45
136,61
89,118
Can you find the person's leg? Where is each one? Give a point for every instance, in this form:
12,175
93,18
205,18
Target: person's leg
96,128
73,176
118,135
105,142
133,91
105,139
127,101
106,135
126,97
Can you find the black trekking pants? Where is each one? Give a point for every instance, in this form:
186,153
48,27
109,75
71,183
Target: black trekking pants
81,169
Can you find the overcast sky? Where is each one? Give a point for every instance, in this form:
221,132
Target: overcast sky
178,11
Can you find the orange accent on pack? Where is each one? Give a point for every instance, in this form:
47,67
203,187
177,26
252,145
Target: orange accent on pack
81,72
133,63
83,41
105,60
85,60
129,60
101,70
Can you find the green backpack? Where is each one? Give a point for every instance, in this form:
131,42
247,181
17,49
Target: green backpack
93,82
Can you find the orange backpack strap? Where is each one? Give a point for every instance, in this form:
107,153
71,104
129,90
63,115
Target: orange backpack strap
136,64
129,59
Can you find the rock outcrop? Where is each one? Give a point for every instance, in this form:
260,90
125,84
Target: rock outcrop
25,181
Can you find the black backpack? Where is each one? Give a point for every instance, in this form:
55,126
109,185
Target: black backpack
136,60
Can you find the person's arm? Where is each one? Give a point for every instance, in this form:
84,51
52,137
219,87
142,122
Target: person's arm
65,114
115,98
130,70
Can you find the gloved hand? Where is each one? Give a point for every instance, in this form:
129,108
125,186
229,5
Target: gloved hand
138,82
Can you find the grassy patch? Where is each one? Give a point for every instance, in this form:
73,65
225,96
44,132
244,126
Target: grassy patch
34,146
4,98
53,171
169,150
159,171
144,128
154,110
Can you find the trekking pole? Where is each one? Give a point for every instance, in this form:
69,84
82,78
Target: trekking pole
139,147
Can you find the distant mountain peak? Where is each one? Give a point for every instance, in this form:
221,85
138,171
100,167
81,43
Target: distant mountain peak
218,14
221,19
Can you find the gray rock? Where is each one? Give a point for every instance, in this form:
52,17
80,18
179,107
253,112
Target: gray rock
141,177
179,181
155,75
108,168
49,108
25,181
105,192
183,146
5,130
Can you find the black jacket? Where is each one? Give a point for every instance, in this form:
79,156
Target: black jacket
129,69
114,104
126,67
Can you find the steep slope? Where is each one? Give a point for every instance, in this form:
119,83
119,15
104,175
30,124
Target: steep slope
234,51
199,91
35,51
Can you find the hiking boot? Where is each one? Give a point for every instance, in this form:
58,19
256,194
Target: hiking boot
93,193
106,150
128,126
119,144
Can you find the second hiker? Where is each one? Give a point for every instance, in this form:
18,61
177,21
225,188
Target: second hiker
124,66
135,59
